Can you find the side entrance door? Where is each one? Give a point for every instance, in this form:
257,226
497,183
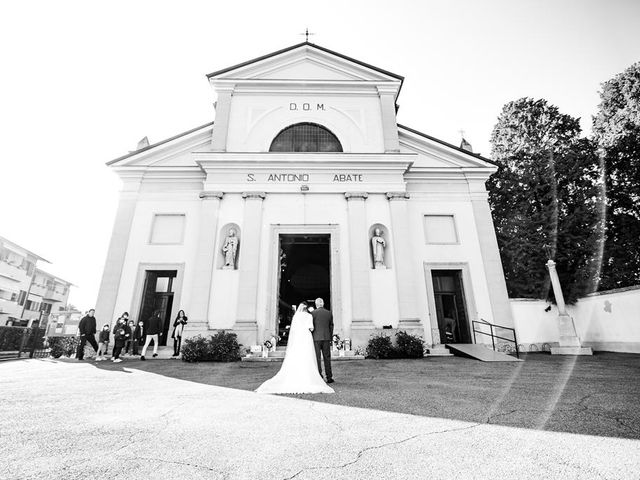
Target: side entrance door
157,296
453,322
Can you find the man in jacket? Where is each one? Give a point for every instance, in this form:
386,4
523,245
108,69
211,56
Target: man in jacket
153,332
87,332
322,334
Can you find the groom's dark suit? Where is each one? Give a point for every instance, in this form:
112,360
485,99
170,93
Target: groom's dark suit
322,335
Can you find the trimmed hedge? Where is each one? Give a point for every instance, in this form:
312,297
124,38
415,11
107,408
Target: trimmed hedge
11,338
221,347
406,346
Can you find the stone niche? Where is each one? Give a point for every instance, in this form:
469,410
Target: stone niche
384,233
225,233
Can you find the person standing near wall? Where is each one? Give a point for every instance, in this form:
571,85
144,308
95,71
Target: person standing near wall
87,331
138,336
154,331
178,328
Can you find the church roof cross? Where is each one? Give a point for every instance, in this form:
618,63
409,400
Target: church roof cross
306,34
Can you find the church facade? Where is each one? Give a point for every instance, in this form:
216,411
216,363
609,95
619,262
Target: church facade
305,186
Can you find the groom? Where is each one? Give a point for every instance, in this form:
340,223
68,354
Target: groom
322,334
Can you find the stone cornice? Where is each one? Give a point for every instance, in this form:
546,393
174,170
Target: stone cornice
356,195
206,195
254,195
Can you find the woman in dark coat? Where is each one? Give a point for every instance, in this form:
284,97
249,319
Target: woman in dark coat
121,333
178,329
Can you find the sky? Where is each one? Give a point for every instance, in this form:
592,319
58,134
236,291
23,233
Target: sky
83,81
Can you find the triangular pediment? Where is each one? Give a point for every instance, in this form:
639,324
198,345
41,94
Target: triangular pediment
172,152
435,153
305,62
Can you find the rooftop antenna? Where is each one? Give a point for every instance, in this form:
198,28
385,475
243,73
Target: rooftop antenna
306,35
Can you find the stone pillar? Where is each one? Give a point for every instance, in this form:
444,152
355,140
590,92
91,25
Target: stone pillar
204,262
249,261
114,263
405,276
496,284
569,341
221,123
359,263
389,125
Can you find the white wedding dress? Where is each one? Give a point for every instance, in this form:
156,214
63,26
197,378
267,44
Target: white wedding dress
299,370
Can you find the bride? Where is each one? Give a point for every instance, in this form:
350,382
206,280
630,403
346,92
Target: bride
299,370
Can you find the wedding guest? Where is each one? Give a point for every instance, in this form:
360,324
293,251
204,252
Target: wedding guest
138,337
130,344
87,331
103,342
178,328
154,331
120,334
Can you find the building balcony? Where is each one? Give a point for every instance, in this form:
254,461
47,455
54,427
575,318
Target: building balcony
39,290
53,295
10,308
13,272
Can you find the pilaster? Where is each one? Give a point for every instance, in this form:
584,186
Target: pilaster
205,257
405,276
249,262
359,261
387,96
114,263
221,123
494,274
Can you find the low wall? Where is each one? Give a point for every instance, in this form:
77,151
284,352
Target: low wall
606,321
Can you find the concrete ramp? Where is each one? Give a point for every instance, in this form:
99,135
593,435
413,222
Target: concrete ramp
479,352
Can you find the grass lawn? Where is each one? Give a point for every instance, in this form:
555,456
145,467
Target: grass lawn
595,395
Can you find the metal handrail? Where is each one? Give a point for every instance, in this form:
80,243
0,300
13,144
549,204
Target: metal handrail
493,335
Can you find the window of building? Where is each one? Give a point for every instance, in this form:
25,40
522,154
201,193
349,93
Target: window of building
21,297
305,137
440,229
167,229
32,306
164,285
8,295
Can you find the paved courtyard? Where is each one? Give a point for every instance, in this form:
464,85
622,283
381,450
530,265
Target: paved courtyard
547,417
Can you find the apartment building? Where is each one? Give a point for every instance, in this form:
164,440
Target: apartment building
28,295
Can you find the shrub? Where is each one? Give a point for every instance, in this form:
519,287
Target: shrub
62,346
224,347
409,346
194,349
379,346
221,347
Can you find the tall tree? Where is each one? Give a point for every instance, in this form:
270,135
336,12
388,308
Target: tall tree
616,128
545,192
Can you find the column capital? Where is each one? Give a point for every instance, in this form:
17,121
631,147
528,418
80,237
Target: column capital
356,195
254,195
206,195
397,196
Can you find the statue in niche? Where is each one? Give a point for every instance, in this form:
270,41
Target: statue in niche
230,250
377,246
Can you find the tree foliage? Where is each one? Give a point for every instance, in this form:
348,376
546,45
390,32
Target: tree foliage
616,128
545,192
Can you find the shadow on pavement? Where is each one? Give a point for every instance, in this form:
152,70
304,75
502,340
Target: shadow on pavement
595,395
